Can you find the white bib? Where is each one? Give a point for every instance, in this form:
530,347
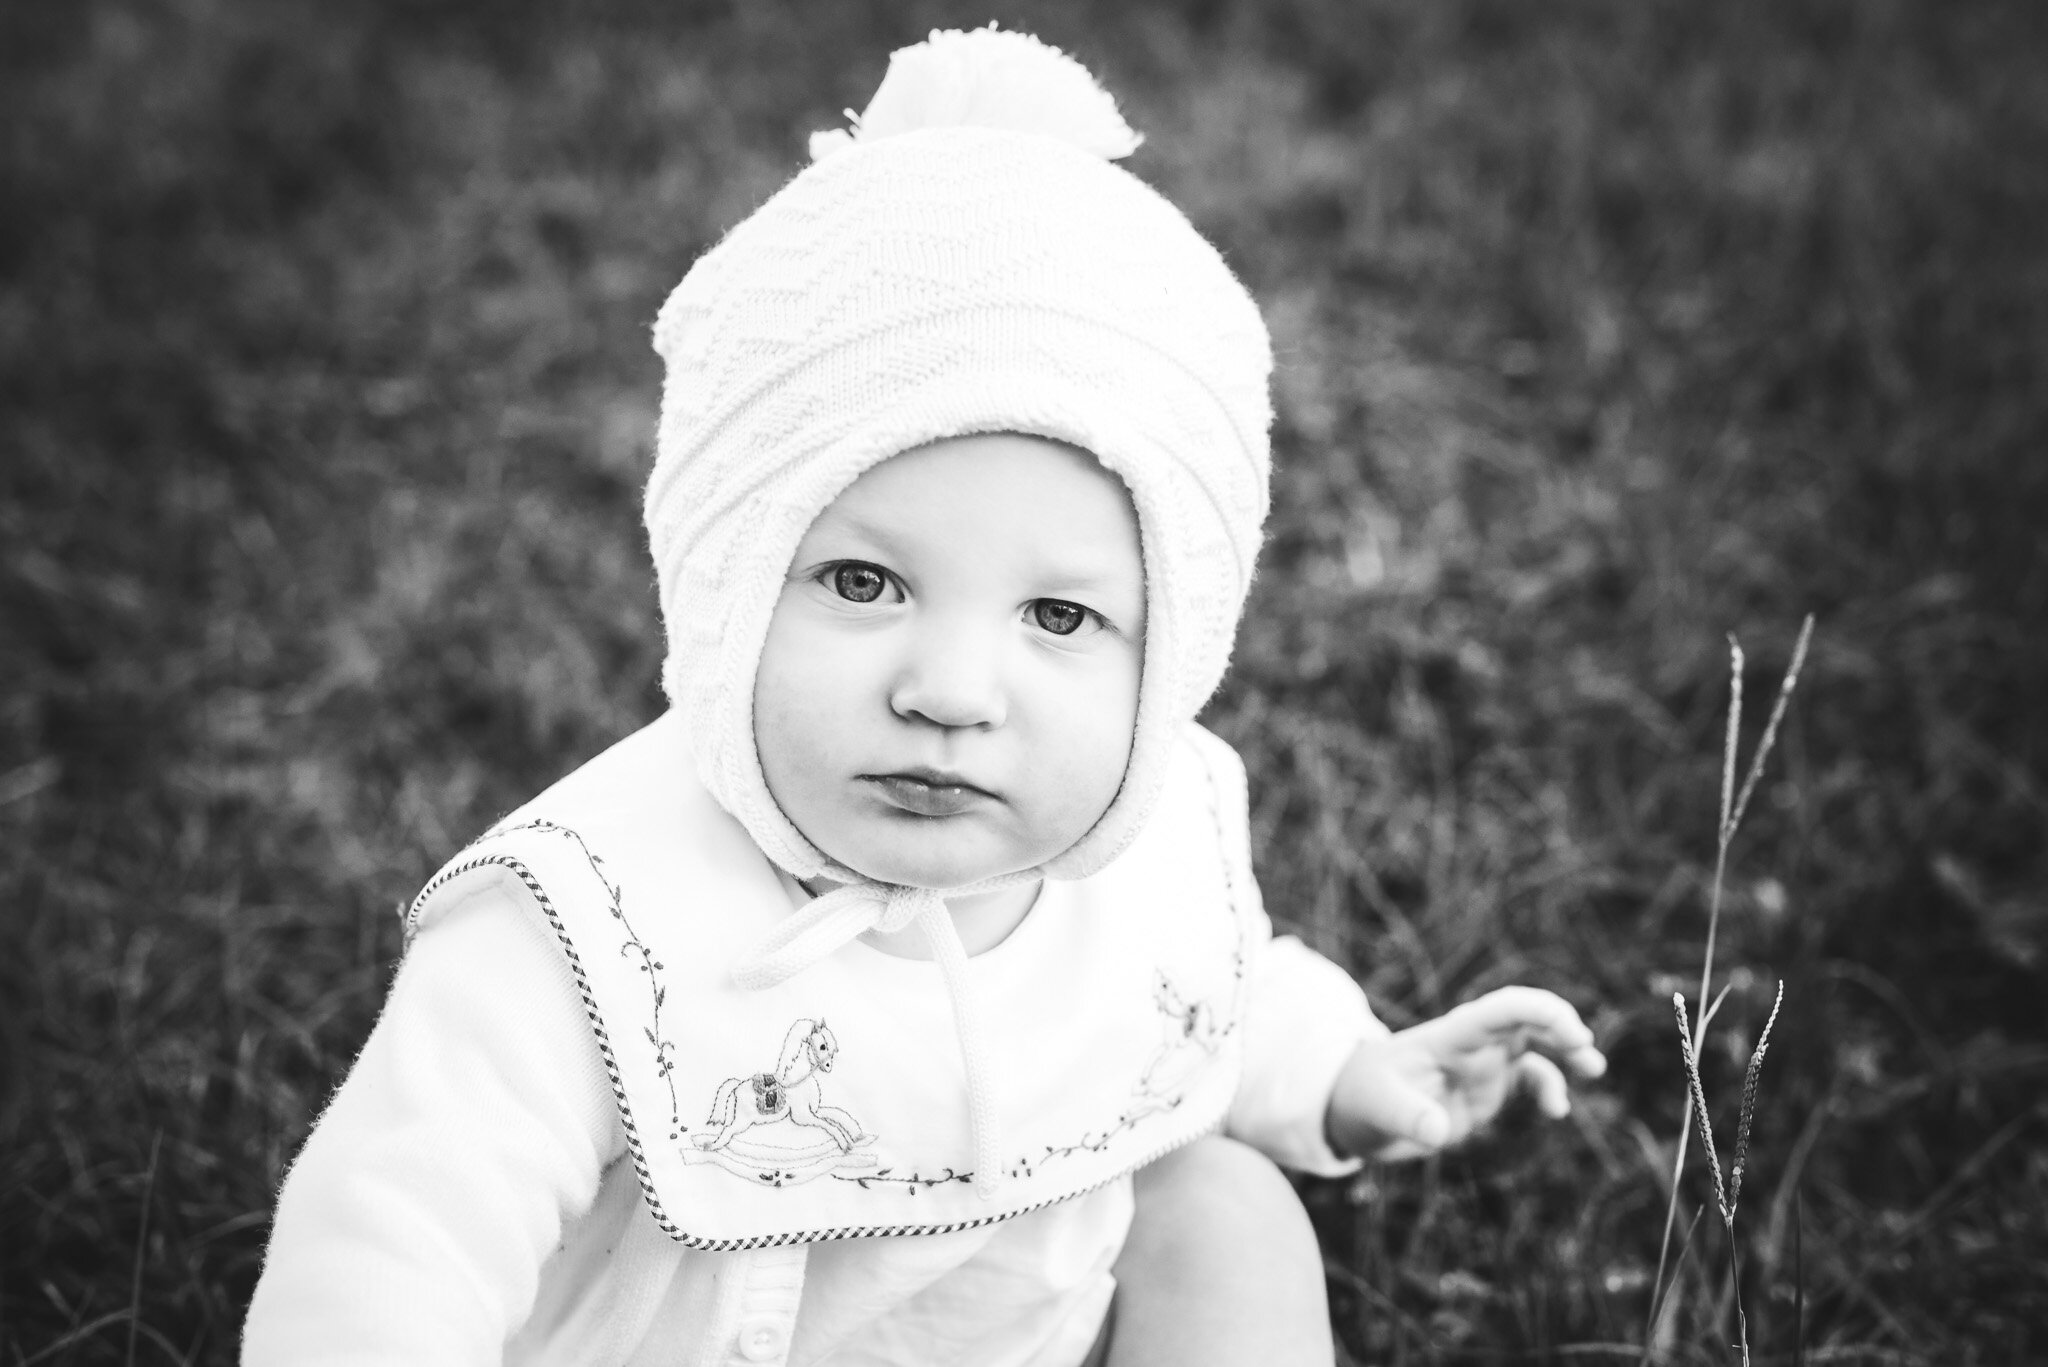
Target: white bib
834,1105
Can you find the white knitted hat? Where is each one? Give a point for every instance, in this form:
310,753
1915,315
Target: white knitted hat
968,260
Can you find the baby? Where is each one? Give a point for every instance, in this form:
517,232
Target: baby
903,995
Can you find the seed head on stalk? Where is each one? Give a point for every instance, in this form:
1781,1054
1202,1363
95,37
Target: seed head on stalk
1734,805
1756,1066
1699,1107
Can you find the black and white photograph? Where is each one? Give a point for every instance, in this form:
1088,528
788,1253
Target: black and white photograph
1228,683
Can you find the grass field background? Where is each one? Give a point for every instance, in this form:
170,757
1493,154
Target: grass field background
1605,328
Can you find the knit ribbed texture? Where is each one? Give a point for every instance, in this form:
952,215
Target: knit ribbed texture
935,283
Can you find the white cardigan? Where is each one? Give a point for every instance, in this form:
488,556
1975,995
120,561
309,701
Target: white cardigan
467,1197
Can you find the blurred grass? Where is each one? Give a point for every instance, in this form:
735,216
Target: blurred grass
1606,327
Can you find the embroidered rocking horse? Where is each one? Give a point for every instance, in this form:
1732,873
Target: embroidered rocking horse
775,1127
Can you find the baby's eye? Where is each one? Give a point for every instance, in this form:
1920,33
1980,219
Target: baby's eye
858,583
1059,617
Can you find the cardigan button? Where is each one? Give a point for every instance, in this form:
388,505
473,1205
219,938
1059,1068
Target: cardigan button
763,1340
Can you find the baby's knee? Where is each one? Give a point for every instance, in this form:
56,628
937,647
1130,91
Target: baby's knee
1215,1167
1209,1160
1221,1266
1217,1192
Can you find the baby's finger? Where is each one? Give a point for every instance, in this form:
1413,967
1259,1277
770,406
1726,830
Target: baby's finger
1546,1082
1399,1111
1542,1021
1374,1105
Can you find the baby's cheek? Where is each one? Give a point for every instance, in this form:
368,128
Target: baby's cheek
775,766
1095,761
787,733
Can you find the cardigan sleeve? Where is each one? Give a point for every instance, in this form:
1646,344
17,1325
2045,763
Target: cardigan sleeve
475,1124
1303,1016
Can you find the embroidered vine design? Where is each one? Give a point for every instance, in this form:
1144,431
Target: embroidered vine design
1088,1143
1231,896
632,947
1024,1167
912,1182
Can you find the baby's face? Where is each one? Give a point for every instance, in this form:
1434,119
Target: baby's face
950,680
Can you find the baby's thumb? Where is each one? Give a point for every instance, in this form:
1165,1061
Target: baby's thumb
1405,1114
1429,1125
1377,1110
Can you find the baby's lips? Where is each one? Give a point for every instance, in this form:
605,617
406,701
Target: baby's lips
915,794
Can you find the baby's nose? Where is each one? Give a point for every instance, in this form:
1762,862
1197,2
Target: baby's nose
952,679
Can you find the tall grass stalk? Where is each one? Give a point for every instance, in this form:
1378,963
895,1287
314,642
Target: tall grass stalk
1734,804
156,1143
1728,1195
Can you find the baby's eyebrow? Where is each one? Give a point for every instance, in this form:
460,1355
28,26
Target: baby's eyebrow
1088,577
851,525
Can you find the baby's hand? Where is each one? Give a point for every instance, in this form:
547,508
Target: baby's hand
1433,1084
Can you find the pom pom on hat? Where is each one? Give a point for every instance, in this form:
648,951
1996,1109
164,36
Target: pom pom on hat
987,78
968,260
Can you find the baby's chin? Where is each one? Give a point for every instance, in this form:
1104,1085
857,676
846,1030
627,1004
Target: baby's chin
935,866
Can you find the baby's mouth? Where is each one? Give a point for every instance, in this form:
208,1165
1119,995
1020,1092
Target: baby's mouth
927,793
